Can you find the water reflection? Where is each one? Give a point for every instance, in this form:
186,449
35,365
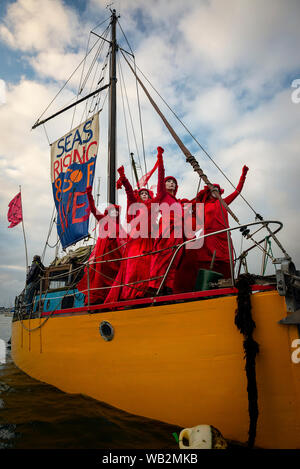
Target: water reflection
35,415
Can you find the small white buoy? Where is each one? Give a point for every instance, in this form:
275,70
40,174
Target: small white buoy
202,437
2,351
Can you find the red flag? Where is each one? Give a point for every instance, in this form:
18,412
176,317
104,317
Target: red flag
143,181
14,214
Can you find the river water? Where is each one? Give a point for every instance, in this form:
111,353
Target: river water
34,415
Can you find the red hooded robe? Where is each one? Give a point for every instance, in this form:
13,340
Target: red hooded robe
134,272
170,235
215,219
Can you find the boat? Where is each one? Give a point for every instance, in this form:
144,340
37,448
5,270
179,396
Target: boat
180,358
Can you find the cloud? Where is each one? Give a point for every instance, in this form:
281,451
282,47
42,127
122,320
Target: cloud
2,92
33,25
246,35
56,64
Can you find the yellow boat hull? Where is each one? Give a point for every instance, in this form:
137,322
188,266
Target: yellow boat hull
181,363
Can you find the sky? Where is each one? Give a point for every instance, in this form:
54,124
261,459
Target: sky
229,70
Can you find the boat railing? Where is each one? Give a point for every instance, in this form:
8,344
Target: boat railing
177,247
42,292
245,231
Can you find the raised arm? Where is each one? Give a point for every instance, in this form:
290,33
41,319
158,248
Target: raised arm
161,187
98,215
128,187
230,198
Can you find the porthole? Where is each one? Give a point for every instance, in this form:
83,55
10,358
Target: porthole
106,331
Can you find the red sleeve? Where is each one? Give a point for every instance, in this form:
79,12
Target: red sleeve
129,191
92,206
230,198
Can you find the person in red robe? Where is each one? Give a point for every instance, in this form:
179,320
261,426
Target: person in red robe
99,276
132,279
170,235
215,219
186,274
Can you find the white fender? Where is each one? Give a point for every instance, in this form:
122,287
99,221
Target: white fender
199,437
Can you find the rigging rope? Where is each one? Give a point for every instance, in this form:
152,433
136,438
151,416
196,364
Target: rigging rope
141,125
125,37
129,111
52,219
100,24
257,216
123,106
97,96
194,138
269,253
95,59
82,84
46,135
125,121
85,111
138,99
79,87
65,84
188,155
191,159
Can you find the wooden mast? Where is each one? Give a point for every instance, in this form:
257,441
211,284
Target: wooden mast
111,190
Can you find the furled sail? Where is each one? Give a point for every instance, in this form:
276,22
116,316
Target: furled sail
73,161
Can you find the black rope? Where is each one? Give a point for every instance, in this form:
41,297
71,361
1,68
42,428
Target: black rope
246,325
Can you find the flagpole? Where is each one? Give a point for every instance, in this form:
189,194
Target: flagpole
26,254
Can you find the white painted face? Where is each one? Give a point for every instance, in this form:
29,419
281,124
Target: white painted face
113,212
144,195
170,185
